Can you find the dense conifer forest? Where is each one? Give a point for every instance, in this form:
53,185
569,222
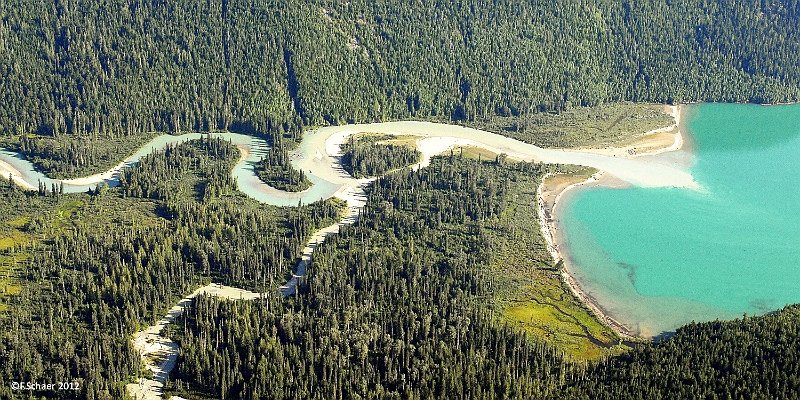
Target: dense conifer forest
276,170
397,307
391,307
404,303
372,155
750,358
115,69
400,305
70,156
95,268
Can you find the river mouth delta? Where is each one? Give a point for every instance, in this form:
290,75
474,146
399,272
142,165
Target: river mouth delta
694,231
690,226
657,258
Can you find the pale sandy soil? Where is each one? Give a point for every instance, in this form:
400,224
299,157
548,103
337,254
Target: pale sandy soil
355,198
97,178
244,152
7,170
159,353
634,170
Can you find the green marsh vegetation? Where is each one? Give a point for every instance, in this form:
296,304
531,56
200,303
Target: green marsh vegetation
15,246
475,153
750,358
602,125
530,292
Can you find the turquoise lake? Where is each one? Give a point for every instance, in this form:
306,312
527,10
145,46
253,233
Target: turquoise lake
656,259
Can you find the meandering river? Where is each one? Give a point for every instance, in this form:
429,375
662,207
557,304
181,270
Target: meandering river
654,255
319,157
319,152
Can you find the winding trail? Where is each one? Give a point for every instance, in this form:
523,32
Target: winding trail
319,156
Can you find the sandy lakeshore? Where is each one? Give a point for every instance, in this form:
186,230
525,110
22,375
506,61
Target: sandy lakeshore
554,187
656,141
319,156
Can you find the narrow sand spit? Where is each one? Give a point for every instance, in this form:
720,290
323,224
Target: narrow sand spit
656,141
548,197
8,170
96,178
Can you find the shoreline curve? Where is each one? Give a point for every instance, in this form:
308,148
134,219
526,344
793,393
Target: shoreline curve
319,155
556,245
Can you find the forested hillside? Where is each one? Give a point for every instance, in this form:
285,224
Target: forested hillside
400,306
89,270
750,358
117,68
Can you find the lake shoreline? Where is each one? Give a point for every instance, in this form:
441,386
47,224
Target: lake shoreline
551,200
320,149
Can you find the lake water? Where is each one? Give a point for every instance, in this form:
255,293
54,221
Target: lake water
656,259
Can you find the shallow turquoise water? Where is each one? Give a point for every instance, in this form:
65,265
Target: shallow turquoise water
659,258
